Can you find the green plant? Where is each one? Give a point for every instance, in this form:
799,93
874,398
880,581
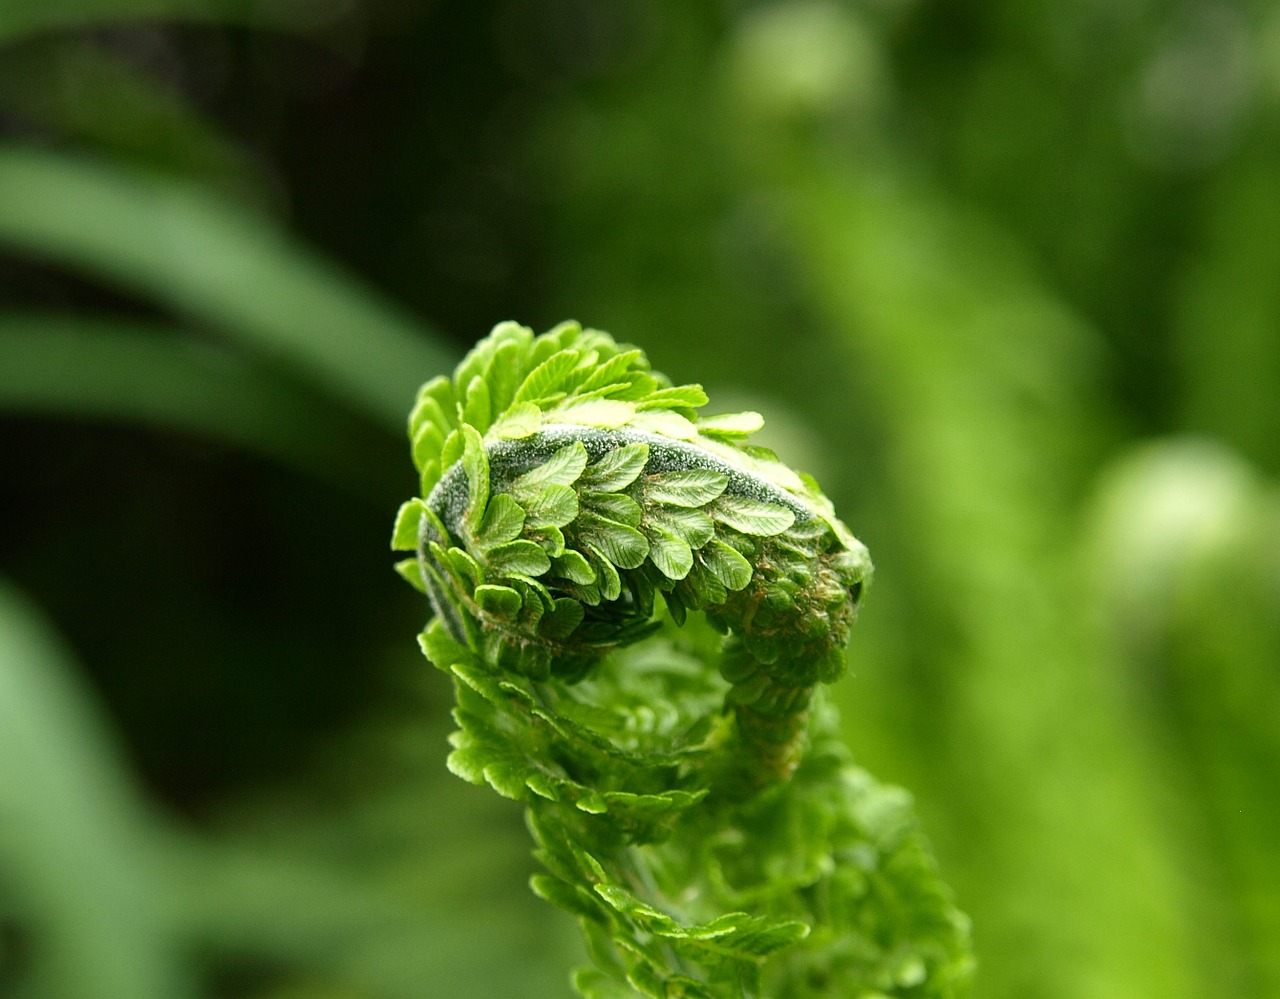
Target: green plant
688,795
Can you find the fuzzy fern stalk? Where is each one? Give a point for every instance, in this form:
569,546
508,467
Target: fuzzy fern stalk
638,609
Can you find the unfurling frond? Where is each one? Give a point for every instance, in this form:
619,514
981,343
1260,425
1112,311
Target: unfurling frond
638,608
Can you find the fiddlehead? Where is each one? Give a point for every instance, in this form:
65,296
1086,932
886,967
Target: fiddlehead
576,513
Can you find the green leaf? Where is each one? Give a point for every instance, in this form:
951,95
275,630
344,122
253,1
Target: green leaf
572,566
691,526
692,487
638,385
562,619
533,589
666,423
475,409
451,453
707,590
613,370
544,785
561,469
522,420
682,987
531,612
676,607
673,557
549,537
626,902
605,414
430,476
614,506
721,926
500,601
524,558
461,564
404,536
566,896
507,777
434,403
503,368
475,463
592,983
554,506
679,397
731,424
430,393
616,469
624,546
503,521
467,764
762,943
563,336
427,444
474,365
543,381
409,570
726,564
607,577
752,517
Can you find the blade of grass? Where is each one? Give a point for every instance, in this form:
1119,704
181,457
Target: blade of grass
209,258
126,371
74,843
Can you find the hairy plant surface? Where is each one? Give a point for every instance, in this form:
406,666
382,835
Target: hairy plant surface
639,608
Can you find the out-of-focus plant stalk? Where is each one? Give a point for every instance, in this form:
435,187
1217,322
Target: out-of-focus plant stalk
977,379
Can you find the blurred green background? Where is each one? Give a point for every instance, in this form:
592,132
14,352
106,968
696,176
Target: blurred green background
1004,276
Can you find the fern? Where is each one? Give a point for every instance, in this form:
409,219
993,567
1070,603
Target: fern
638,608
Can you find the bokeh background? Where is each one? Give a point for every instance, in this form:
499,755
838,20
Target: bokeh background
1005,276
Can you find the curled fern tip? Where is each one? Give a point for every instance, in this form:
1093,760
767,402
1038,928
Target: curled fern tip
639,607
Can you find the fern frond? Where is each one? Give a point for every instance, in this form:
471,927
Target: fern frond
638,608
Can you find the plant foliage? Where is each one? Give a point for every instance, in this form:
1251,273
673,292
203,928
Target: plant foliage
584,537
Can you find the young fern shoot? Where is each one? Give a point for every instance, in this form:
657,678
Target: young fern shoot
638,608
